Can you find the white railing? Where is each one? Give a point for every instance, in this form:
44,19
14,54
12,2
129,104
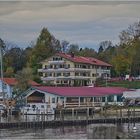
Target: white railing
64,70
56,62
64,78
103,71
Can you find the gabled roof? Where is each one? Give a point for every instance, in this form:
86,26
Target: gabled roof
13,81
81,59
82,91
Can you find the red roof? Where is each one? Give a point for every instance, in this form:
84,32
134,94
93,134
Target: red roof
81,59
82,91
13,81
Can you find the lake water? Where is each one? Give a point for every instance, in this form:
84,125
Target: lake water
92,131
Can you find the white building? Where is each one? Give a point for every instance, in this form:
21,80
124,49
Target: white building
70,70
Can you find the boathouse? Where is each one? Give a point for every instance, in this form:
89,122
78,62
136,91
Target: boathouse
70,97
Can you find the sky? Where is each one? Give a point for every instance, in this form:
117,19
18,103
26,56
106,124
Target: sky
83,23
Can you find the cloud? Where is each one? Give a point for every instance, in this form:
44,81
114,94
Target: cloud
82,22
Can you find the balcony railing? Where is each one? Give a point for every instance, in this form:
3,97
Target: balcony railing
81,104
65,78
103,71
64,70
56,62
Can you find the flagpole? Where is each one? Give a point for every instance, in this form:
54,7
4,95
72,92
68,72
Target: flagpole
1,69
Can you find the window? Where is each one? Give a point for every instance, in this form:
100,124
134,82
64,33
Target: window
66,74
97,99
42,106
49,74
28,105
58,74
119,98
103,99
110,98
76,74
82,99
61,66
65,82
33,106
93,66
53,100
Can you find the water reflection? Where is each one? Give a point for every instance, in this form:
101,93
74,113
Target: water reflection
92,131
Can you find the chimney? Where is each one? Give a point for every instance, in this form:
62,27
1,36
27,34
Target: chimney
72,54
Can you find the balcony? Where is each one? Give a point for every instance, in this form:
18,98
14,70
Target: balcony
103,71
65,78
56,62
64,70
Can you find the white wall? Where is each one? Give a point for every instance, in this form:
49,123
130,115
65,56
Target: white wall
7,89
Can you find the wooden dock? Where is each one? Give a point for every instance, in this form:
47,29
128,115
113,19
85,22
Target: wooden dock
59,123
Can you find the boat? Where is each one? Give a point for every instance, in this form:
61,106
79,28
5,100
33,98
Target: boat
39,108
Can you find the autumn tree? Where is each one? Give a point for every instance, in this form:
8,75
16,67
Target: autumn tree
87,52
121,64
23,77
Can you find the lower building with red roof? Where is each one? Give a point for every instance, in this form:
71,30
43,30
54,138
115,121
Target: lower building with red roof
49,98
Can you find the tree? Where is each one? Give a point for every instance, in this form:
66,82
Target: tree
23,77
45,47
14,58
105,44
73,48
64,46
9,72
100,50
131,33
87,52
121,64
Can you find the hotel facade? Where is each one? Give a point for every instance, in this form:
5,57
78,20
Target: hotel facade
70,70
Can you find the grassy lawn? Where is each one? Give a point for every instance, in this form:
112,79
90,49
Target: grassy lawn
126,84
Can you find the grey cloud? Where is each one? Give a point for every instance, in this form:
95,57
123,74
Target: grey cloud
82,22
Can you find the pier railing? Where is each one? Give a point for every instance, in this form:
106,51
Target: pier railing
86,104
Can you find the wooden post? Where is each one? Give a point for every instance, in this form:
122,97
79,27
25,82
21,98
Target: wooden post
55,114
65,102
76,114
60,114
92,112
0,115
128,114
73,113
87,116
105,112
79,101
134,115
87,112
